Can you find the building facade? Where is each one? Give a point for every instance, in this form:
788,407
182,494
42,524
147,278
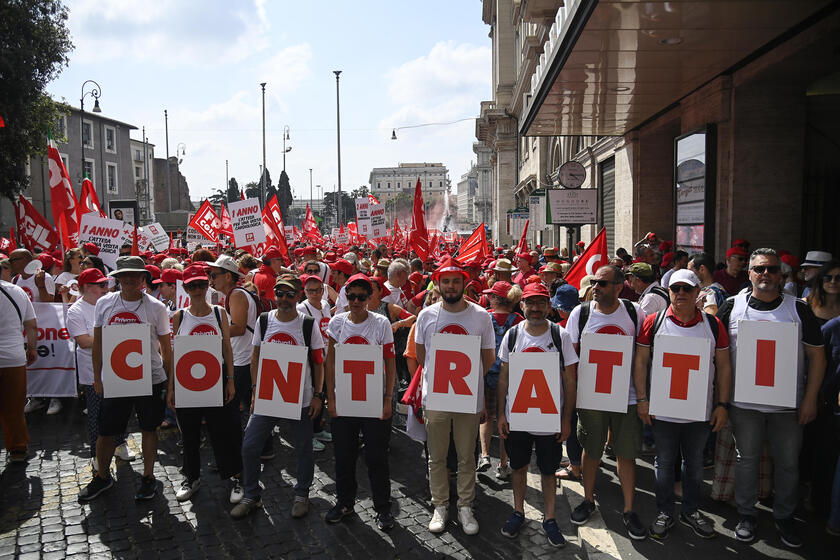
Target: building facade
143,156
467,189
388,182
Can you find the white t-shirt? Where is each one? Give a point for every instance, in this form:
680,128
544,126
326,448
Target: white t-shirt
192,325
617,322
473,320
341,303
111,309
397,296
321,316
526,342
31,290
651,302
241,344
80,320
12,350
291,332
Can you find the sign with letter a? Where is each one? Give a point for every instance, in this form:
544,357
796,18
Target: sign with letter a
198,371
679,377
535,392
280,380
767,363
126,360
455,373
359,380
606,362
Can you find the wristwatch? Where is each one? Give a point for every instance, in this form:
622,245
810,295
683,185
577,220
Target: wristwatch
725,405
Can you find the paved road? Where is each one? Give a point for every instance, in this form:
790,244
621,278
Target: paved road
40,515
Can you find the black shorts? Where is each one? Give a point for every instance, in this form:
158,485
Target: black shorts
549,451
114,413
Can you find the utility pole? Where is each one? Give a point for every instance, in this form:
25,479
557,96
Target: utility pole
262,175
146,177
338,142
168,171
311,202
227,177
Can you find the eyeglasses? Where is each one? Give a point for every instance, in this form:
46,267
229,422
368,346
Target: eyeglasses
770,269
285,293
317,290
681,288
196,285
831,278
602,283
354,297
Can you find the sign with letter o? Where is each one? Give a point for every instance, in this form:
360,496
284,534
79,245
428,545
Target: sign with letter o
606,363
535,392
280,380
680,377
359,380
767,363
198,371
454,374
126,360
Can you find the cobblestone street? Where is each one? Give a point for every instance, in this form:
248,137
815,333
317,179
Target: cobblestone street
40,515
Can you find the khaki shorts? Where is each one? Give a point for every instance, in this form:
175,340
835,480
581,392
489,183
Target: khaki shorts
625,429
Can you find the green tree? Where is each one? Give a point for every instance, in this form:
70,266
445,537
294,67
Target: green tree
232,190
35,43
401,204
361,192
252,190
284,195
217,198
348,207
270,191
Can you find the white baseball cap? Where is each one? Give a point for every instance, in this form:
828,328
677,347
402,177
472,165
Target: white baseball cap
684,276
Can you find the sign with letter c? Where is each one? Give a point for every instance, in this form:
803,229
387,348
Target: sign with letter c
606,363
280,380
359,380
454,374
535,393
767,363
198,371
126,360
680,377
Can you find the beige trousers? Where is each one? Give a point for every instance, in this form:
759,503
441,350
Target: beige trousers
464,429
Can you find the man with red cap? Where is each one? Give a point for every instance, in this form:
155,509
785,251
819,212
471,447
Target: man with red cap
537,334
734,276
272,265
525,268
453,315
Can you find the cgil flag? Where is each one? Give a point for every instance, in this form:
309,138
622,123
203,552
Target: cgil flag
475,246
418,237
63,198
34,231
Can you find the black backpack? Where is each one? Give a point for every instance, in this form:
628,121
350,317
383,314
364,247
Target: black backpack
584,315
555,338
661,292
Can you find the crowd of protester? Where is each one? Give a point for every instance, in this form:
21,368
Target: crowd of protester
319,297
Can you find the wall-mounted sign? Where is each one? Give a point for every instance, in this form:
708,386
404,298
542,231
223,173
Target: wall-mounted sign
572,207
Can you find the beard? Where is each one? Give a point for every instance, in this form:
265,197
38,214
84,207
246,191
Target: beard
450,299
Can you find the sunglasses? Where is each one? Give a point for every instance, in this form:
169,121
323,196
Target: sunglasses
285,293
354,297
602,283
317,290
681,288
196,285
771,269
831,278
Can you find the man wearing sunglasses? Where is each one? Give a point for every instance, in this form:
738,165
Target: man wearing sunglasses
734,276
752,424
682,318
608,314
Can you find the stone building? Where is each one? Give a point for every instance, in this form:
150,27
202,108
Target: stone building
388,182
467,189
143,155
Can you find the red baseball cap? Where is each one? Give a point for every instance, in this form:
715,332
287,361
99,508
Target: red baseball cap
524,256
272,253
91,276
535,289
298,252
343,266
159,258
500,289
309,250
195,273
739,251
383,290
330,257
155,272
359,277
304,278
91,248
171,275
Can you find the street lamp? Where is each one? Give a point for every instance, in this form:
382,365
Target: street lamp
180,152
338,141
262,174
285,149
94,92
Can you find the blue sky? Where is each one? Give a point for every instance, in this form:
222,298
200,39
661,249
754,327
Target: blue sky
403,63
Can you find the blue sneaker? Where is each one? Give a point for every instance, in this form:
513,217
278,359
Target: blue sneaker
552,531
513,524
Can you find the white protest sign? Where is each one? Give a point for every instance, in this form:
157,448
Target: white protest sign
198,371
289,232
280,382
362,205
535,395
158,236
126,360
105,233
606,364
455,373
194,237
246,219
359,380
377,221
53,373
680,378
767,363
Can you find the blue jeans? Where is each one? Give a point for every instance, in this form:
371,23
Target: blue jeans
257,431
784,433
671,439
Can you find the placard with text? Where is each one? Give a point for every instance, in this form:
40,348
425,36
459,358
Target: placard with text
454,373
246,220
280,380
198,371
606,364
359,380
767,363
679,377
535,392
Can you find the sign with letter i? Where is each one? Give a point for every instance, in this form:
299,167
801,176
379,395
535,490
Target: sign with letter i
767,363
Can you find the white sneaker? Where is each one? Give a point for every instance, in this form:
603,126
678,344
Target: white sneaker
187,489
323,435
483,463
123,452
503,472
439,519
33,404
55,407
467,519
317,445
236,491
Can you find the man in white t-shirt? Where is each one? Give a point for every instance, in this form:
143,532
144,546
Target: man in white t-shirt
453,315
80,320
672,435
130,306
397,278
19,317
608,314
652,297
39,286
285,326
537,334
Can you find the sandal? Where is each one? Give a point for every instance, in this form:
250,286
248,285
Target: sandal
567,474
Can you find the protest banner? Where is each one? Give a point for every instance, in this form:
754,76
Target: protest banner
289,232
455,373
280,382
198,371
359,380
535,392
378,228
679,378
362,215
246,220
53,373
767,363
105,233
126,360
158,236
604,371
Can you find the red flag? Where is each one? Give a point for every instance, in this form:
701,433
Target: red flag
206,222
33,229
418,237
372,199
593,258
522,246
135,250
310,226
12,242
63,198
276,222
475,246
171,241
89,201
227,225
241,194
